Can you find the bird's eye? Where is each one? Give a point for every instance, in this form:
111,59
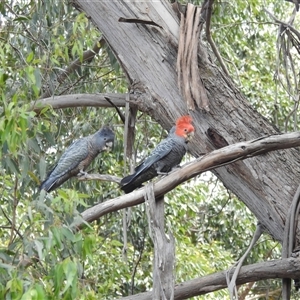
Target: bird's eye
185,130
105,139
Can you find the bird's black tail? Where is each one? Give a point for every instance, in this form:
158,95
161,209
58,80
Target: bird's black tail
127,184
47,184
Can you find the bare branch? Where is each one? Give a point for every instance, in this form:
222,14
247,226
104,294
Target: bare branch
210,39
288,243
284,24
272,269
212,160
81,100
101,177
231,281
119,112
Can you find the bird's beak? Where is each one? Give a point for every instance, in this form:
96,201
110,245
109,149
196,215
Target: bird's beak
190,135
108,146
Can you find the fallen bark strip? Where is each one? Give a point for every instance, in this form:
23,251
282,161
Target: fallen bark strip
164,247
80,100
279,268
212,160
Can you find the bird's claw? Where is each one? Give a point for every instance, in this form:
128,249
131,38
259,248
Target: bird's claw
162,173
175,168
167,173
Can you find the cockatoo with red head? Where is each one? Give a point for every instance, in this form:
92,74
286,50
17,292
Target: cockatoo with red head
167,155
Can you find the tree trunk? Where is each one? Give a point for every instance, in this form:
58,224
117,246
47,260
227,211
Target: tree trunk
148,55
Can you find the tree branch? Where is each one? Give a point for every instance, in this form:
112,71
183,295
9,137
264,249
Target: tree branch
288,243
272,269
231,281
81,100
210,39
212,160
100,177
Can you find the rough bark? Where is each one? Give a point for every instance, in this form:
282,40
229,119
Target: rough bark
266,184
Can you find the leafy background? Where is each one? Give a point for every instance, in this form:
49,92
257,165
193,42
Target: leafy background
40,256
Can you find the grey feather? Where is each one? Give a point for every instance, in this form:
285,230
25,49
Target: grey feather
78,157
167,155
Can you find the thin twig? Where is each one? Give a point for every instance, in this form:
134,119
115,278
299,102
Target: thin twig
124,218
231,280
210,39
289,240
135,267
121,115
290,27
14,213
287,37
88,55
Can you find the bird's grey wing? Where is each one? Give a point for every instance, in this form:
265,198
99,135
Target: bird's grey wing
161,150
71,158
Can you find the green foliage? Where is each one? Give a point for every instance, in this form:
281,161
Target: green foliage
213,230
247,40
41,255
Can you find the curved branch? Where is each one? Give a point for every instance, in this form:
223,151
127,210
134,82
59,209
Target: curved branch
272,269
81,100
231,279
286,25
212,160
288,243
100,177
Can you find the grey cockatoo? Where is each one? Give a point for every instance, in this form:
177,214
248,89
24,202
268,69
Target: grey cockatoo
78,157
167,155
